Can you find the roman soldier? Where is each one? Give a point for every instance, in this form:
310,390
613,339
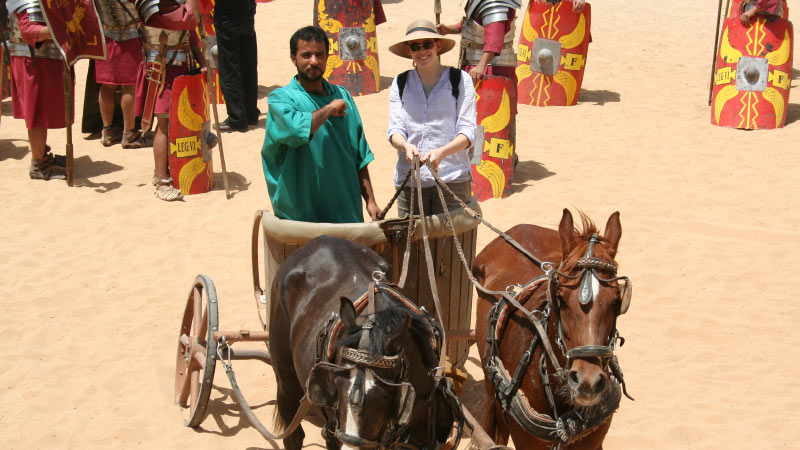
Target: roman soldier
37,84
171,48
124,52
487,54
487,38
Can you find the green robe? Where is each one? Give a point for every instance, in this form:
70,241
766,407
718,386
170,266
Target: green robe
314,179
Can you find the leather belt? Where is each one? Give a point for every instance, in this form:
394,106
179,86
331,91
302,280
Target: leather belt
174,57
48,50
121,33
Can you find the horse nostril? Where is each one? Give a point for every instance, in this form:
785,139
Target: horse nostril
573,379
600,384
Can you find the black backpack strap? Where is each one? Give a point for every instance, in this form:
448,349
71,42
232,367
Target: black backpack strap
401,82
455,80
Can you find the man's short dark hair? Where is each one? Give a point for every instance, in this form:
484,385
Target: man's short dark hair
308,34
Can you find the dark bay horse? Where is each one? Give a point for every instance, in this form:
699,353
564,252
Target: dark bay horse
372,379
549,359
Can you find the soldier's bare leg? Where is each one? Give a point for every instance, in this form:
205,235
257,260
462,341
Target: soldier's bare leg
160,147
164,189
106,100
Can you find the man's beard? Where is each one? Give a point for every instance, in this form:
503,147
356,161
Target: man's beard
305,76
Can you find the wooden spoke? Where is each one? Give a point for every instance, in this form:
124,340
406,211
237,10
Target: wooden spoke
196,355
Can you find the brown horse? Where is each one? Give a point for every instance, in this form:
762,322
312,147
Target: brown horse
550,332
372,378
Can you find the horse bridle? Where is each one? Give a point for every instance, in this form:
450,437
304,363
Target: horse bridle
363,360
588,266
559,428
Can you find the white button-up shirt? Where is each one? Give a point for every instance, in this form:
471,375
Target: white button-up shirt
432,122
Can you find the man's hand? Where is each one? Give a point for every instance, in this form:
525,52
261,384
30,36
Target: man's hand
410,149
476,73
747,17
337,108
447,29
373,210
44,34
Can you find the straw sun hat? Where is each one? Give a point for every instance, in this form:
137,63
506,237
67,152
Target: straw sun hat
421,29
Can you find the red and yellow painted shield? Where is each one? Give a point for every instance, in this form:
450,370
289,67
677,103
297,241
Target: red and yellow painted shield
353,53
493,169
551,56
76,29
753,74
189,156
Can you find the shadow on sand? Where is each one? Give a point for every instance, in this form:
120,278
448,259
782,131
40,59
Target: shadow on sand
526,172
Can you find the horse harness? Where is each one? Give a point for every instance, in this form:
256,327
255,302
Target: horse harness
572,425
363,360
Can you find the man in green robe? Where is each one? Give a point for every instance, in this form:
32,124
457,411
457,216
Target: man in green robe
315,154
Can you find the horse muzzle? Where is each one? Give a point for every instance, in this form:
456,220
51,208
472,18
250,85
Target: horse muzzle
588,381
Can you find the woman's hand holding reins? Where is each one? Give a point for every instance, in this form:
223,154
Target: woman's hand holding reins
411,151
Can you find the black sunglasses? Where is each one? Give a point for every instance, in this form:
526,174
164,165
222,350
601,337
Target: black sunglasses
427,45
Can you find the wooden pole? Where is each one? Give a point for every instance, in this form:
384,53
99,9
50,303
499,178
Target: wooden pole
212,96
69,119
716,46
437,10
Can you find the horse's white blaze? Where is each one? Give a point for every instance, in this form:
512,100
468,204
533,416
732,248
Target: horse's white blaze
351,424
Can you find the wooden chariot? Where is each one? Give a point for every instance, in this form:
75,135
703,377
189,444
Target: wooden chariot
201,343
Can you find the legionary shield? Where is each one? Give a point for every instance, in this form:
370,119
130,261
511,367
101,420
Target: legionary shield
190,161
551,57
76,28
353,53
753,74
492,157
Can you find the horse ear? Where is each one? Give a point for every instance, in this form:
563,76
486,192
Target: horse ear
566,230
321,385
396,340
613,232
347,313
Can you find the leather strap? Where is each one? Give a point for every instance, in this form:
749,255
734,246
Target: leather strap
156,74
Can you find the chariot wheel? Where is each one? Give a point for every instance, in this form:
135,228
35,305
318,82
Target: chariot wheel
197,352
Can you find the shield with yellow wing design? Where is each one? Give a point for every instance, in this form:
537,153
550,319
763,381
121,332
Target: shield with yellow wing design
493,153
190,139
753,74
353,53
551,56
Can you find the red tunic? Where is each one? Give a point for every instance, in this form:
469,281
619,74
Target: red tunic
171,17
37,85
122,65
493,38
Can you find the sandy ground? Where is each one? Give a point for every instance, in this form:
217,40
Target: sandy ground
95,277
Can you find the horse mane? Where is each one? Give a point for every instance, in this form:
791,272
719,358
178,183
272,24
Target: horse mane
582,235
388,319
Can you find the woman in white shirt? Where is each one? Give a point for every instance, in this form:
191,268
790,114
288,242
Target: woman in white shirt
431,115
